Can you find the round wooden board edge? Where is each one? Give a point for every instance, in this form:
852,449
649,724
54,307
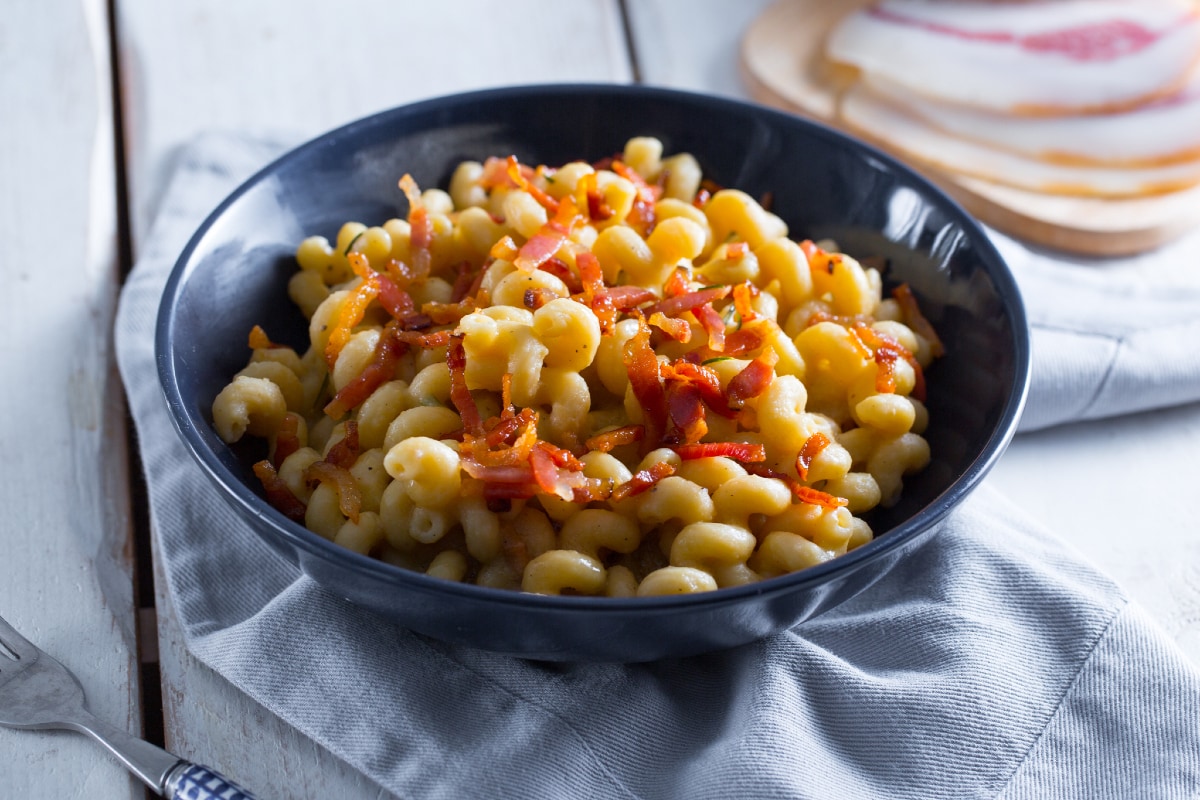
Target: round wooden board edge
778,66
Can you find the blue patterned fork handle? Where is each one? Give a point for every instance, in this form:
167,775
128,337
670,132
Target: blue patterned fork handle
189,781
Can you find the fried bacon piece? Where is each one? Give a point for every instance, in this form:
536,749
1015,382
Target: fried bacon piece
381,370
674,306
685,407
641,364
744,452
606,441
460,395
522,179
754,378
346,450
287,439
812,448
642,480
278,494
547,241
353,308
598,209
421,237
641,216
349,495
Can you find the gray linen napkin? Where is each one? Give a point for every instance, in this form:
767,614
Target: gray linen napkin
994,662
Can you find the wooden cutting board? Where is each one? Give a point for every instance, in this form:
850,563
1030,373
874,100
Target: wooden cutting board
783,65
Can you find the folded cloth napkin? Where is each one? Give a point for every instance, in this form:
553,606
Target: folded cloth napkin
992,663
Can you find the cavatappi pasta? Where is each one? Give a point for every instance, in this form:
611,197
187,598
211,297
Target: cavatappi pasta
602,379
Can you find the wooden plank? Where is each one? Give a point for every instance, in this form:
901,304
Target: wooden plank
1146,538
302,68
66,573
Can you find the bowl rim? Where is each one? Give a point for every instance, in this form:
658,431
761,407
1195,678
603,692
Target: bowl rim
312,543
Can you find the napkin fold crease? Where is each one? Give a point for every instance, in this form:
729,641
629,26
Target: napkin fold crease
993,662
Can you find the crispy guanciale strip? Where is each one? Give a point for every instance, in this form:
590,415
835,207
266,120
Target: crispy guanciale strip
916,320
678,329
352,309
460,395
463,281
804,494
598,209
426,341
677,283
349,495
523,181
287,438
685,406
642,480
624,298
641,364
713,325
606,441
495,173
504,250
744,341
705,379
346,450
674,306
397,302
754,378
745,452
278,494
743,297
559,269
421,226
546,242
641,216
552,478
536,298
381,370
812,448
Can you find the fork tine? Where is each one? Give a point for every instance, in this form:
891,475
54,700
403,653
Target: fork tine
13,642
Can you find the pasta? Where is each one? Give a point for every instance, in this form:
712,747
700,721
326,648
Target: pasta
603,379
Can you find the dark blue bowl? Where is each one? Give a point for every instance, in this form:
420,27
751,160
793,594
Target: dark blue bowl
233,274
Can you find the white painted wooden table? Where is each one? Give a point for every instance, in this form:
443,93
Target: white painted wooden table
69,549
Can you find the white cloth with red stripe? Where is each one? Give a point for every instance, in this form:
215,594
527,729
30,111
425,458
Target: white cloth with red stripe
993,662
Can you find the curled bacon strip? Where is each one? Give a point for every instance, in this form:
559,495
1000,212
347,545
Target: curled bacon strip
685,404
349,496
674,306
278,494
346,451
606,441
739,451
546,242
641,216
521,179
754,378
353,308
678,329
641,364
813,446
713,325
460,395
381,370
642,480
703,378
421,237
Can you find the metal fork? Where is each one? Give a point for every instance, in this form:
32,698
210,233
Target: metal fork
37,692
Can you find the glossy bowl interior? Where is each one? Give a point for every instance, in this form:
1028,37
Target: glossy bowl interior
234,271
